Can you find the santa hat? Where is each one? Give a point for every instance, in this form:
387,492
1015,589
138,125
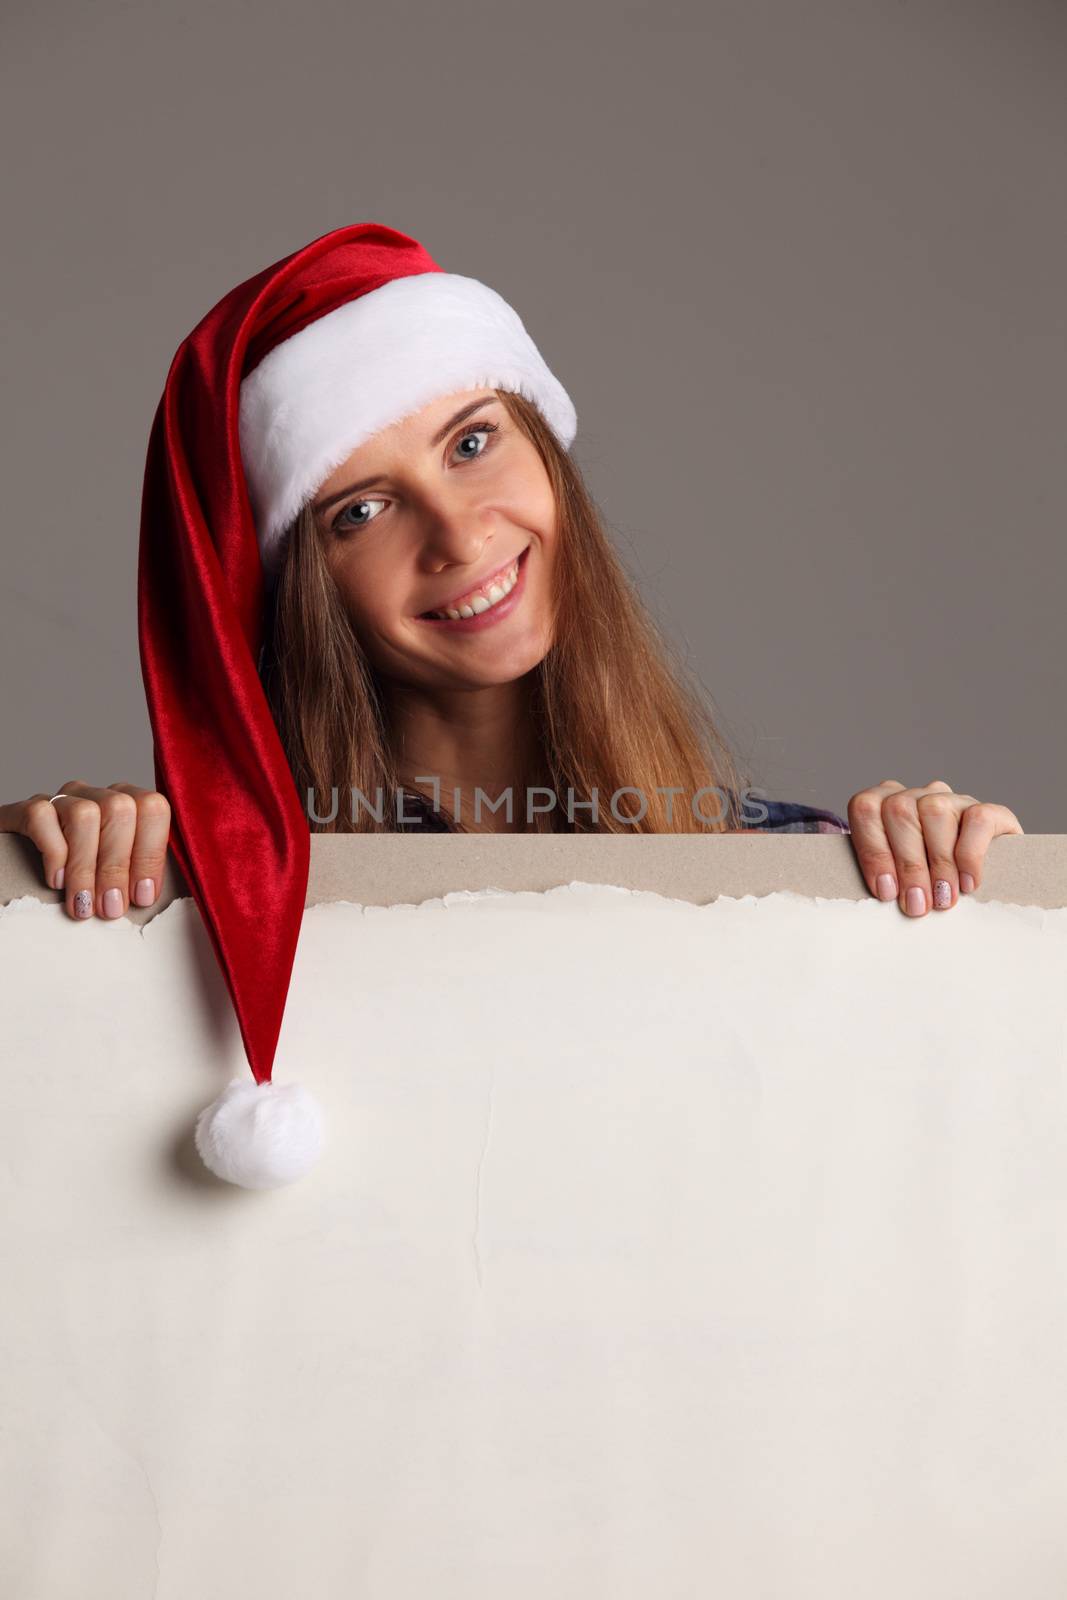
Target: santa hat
275,387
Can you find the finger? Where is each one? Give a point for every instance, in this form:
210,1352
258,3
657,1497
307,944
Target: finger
36,819
117,829
980,823
904,832
867,831
149,857
939,811
79,817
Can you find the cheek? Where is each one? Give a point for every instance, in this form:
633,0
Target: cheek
535,508
548,511
548,532
369,604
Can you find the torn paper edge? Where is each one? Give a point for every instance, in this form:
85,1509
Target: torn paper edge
454,898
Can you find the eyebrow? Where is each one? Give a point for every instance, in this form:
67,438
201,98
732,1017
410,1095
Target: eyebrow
442,433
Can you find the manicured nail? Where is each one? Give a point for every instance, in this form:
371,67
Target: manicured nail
942,894
144,892
966,883
83,903
915,899
60,877
886,885
112,902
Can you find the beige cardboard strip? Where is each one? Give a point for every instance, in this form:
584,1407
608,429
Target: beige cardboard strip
1029,869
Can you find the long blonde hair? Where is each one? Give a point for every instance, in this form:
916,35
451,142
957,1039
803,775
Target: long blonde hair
612,708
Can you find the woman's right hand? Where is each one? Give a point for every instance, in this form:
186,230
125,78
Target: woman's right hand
105,848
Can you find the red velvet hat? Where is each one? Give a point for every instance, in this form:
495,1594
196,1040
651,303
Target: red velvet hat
275,387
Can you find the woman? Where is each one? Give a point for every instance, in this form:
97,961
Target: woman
369,570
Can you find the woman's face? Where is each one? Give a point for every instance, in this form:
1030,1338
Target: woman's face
420,518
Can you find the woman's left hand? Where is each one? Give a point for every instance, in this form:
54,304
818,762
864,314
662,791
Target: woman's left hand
923,846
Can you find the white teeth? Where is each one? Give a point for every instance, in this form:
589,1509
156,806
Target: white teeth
496,592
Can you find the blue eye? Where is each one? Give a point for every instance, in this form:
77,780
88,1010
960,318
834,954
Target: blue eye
472,433
354,505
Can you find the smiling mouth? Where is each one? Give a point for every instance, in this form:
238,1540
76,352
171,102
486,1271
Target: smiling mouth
486,597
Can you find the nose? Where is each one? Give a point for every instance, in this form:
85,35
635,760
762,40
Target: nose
455,532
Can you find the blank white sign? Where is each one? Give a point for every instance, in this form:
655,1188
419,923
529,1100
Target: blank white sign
657,1250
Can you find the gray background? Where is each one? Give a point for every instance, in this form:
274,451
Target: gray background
800,267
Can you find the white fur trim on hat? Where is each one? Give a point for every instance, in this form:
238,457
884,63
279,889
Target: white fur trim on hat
322,392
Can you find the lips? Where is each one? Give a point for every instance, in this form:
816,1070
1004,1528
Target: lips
475,588
493,616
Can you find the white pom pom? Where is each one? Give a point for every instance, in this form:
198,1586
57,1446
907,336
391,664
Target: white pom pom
260,1135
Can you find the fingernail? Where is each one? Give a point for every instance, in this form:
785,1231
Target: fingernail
886,885
61,877
112,902
915,899
966,883
942,894
83,903
144,892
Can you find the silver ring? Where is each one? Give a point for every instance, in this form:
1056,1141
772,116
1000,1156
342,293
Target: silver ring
61,797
